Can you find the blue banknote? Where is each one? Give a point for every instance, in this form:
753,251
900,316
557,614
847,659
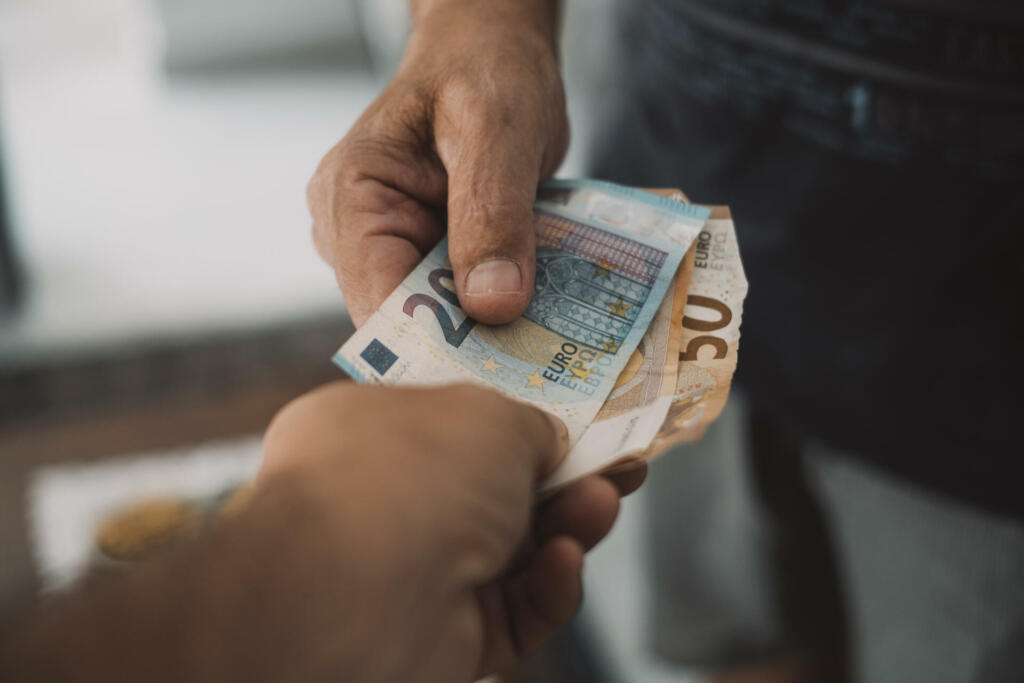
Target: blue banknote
597,289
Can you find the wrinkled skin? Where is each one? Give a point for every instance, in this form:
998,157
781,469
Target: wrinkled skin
473,119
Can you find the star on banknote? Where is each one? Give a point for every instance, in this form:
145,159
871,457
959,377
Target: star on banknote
619,308
536,380
603,269
490,365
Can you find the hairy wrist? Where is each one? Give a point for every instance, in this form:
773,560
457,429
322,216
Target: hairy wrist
517,19
541,13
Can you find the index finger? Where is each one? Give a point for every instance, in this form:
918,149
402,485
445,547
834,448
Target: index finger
376,213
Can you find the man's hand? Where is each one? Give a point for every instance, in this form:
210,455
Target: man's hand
473,119
463,578
392,536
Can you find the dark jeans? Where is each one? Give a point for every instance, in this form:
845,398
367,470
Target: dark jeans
883,316
864,510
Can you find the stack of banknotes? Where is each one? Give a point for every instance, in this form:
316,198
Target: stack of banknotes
631,336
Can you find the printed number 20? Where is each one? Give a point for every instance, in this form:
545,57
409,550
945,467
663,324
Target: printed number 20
453,335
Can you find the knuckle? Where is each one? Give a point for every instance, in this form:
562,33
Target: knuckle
315,190
330,194
321,241
302,415
490,96
530,425
485,405
339,170
468,395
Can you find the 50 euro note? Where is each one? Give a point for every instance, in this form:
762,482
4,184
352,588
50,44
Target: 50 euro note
710,333
597,289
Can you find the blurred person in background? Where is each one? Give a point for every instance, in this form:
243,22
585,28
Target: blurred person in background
872,153
372,550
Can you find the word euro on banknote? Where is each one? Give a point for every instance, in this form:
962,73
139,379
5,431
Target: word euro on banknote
597,289
639,404
710,327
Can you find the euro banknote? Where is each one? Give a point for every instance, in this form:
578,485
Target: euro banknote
627,386
710,327
711,287
597,289
635,411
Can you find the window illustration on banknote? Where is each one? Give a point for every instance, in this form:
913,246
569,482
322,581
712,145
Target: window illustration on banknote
590,284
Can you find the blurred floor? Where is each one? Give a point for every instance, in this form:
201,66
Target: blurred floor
144,398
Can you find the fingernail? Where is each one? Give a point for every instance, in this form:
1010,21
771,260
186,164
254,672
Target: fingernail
625,465
497,276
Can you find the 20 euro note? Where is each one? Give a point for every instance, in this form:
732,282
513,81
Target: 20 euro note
639,404
597,290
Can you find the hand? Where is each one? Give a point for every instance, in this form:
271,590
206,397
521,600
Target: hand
392,536
473,119
441,565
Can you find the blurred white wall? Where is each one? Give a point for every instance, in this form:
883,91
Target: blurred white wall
121,39
153,208
224,33
44,31
148,205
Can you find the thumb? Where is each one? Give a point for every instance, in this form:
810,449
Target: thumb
492,181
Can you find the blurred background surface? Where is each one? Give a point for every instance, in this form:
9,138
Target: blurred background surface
160,293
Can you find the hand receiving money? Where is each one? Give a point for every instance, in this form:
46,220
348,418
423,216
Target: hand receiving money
376,545
445,549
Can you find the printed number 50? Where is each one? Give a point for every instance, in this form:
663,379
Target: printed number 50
697,343
453,335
